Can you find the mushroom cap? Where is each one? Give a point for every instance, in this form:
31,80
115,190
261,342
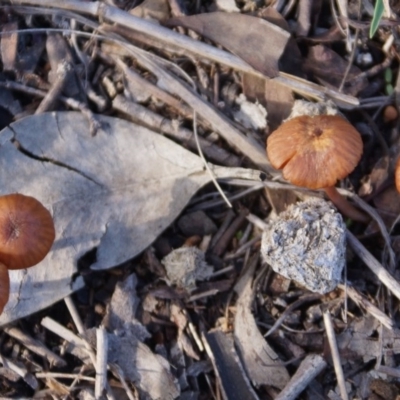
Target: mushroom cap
4,286
26,231
315,152
397,175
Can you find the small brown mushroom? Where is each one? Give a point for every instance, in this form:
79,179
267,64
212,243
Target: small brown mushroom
26,231
4,286
397,175
315,152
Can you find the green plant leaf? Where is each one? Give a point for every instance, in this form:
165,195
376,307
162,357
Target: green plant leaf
389,89
388,75
376,19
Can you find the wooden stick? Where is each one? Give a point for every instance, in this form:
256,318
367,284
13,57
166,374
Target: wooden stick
101,362
310,367
372,263
35,346
365,304
330,333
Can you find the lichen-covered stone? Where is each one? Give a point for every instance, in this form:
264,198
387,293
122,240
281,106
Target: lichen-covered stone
307,243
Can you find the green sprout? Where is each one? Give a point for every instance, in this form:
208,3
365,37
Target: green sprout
376,19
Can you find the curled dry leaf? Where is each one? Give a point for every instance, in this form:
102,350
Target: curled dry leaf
262,363
315,152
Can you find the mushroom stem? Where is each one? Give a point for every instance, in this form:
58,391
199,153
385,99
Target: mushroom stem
4,286
344,206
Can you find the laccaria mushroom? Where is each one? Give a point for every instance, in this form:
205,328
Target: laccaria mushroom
26,236
26,231
397,175
315,152
4,286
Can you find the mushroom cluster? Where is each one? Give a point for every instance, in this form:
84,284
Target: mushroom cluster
26,236
315,152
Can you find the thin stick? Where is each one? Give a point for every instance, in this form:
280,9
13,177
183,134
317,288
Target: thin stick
62,74
119,373
335,354
372,263
101,362
144,116
61,375
21,371
230,215
310,367
75,381
35,346
74,314
196,337
74,104
353,50
258,222
207,166
289,309
202,295
155,91
70,337
366,305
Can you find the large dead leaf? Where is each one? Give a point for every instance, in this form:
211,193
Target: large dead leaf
115,192
329,68
256,41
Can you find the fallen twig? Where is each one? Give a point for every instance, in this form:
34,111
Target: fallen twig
101,362
365,304
310,367
35,346
74,104
139,114
330,333
372,263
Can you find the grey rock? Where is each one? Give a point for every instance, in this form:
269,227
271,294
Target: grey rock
307,243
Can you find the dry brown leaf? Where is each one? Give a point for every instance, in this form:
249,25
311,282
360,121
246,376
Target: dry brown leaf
291,60
256,41
329,68
388,202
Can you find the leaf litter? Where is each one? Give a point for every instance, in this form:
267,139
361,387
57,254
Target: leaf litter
119,193
102,195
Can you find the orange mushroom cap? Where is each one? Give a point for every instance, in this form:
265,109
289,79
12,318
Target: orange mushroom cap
4,286
315,152
26,231
397,175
